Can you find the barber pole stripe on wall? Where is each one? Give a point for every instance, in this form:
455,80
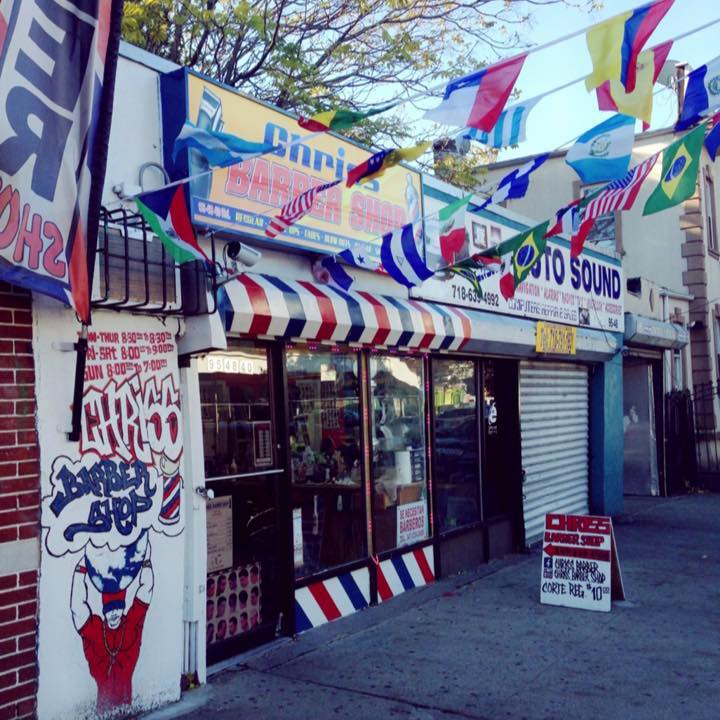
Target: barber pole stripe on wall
265,305
405,572
328,600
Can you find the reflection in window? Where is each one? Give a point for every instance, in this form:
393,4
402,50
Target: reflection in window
324,425
456,443
398,446
235,411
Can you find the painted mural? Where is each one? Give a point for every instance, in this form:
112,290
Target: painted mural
112,516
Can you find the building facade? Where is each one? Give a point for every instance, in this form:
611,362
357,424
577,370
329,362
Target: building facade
268,454
671,268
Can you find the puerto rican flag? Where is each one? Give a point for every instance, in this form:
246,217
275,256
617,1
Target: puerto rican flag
476,100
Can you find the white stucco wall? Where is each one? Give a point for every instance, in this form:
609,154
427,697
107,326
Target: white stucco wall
130,532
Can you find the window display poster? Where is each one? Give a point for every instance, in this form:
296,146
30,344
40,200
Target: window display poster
234,599
411,522
219,534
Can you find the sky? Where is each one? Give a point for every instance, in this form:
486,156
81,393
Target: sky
561,117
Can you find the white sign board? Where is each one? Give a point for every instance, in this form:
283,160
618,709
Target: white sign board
411,523
219,534
585,291
577,561
298,555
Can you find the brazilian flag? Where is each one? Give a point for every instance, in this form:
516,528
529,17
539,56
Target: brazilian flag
520,254
680,164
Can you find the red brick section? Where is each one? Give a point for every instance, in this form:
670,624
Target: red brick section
19,504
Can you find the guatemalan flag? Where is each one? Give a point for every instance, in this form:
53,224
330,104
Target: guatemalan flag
401,259
603,152
615,44
218,148
477,100
508,130
338,274
702,94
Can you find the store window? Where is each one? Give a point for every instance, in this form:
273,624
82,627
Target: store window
236,413
397,388
326,460
456,450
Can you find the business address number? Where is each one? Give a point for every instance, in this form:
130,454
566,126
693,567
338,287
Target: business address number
470,295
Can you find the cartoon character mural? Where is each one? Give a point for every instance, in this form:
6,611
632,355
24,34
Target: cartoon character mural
112,643
107,500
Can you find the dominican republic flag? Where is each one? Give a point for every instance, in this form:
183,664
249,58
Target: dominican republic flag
508,130
603,152
337,273
567,219
615,196
295,209
615,44
218,148
515,184
401,259
477,100
702,94
167,214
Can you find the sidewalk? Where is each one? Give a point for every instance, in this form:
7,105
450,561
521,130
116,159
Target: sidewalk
480,645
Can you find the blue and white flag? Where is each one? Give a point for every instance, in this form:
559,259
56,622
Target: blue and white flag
508,130
603,152
401,259
218,148
515,184
338,274
702,94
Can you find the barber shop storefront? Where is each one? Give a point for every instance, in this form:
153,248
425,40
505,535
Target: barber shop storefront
359,443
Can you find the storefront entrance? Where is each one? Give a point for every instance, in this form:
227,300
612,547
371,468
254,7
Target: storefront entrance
476,468
248,581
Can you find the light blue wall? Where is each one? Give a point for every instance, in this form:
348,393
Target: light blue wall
606,437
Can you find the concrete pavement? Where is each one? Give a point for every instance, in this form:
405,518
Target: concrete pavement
480,645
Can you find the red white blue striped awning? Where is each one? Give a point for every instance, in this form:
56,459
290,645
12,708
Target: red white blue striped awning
265,306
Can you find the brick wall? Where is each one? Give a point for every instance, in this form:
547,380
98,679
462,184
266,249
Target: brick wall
19,507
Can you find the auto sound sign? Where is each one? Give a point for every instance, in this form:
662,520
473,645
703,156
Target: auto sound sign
244,197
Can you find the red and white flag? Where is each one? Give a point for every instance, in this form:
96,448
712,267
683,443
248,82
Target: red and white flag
295,209
476,100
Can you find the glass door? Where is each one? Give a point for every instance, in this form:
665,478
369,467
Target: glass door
457,443
246,548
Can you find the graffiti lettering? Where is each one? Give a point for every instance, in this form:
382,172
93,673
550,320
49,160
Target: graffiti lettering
132,421
125,491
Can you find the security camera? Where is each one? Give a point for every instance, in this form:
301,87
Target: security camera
242,254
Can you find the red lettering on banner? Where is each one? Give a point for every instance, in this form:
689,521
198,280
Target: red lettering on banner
260,183
280,188
9,198
357,211
29,236
333,205
50,258
238,180
300,183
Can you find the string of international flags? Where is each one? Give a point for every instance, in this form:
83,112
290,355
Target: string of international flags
623,75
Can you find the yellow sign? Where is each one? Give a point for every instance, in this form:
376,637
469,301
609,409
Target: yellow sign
244,197
555,339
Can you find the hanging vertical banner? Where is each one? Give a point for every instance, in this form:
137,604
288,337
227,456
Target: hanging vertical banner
57,71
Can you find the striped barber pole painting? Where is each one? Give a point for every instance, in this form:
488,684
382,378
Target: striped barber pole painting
270,306
328,600
405,572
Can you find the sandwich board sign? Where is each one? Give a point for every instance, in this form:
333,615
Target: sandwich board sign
580,567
